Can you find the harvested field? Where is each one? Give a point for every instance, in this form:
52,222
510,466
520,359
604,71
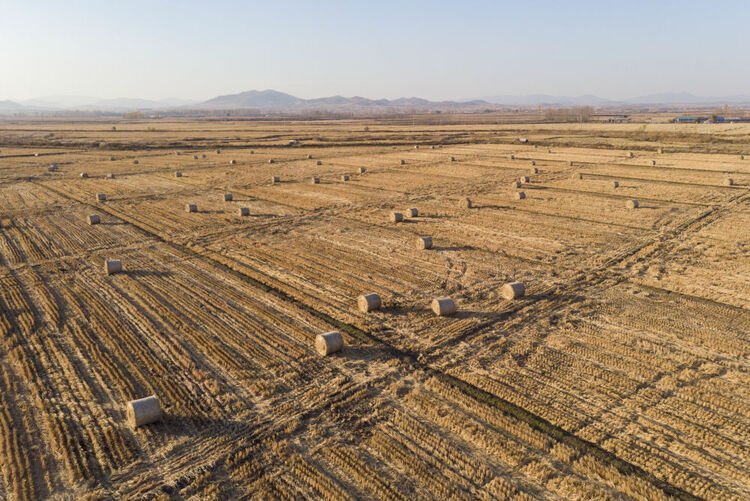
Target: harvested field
622,373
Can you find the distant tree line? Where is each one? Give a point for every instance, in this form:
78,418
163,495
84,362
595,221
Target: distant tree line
577,114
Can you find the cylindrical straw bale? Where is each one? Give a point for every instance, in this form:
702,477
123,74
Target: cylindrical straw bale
84,175
396,217
361,170
344,177
368,302
534,170
515,184
571,163
615,184
403,162
191,208
453,159
110,176
112,266
93,219
178,174
729,181
227,197
424,243
412,212
111,159
742,157
203,155
243,211
135,162
143,411
513,290
309,157
270,160
533,162
631,155
328,343
443,306
319,162
653,162
465,203
512,157
520,195
631,204
524,179
315,180
232,162
218,152
195,157
577,175
275,179
101,197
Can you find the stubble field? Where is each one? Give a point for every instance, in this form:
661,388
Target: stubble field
622,374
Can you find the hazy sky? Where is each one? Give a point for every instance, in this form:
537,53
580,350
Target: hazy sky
436,50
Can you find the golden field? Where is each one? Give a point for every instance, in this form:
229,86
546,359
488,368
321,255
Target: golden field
623,373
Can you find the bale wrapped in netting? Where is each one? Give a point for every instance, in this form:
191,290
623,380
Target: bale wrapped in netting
101,197
524,179
227,197
465,203
453,159
135,162
513,290
195,157
84,175
661,150
143,411
424,243
252,152
403,162
344,177
243,211
309,157
203,156
218,152
111,159
112,266
533,162
653,162
177,153
742,157
315,180
275,179
328,343
571,163
577,175
631,155
54,165
512,157
520,195
729,181
270,160
232,162
368,302
93,219
416,147
534,170
178,174
319,162
515,184
396,217
52,169
412,212
361,170
631,204
110,176
443,306
615,184
191,208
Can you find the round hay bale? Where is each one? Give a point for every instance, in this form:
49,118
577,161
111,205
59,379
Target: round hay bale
577,175
416,147
218,152
275,179
252,152
195,157
344,177
571,163
520,195
440,146
412,212
513,290
432,147
742,157
328,343
525,179
631,155
309,157
631,204
110,176
512,157
653,162
271,160
729,181
135,162
515,184
319,162
533,162
177,153
143,411
233,162
101,197
368,302
424,243
315,180
549,150
465,203
443,306
661,150
93,219
615,184
396,217
203,156
453,159
178,174
403,162
243,211
111,159
112,266
361,170
84,175
534,170
54,165
191,207
227,197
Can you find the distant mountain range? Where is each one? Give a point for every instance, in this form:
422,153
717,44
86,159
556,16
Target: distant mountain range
269,101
